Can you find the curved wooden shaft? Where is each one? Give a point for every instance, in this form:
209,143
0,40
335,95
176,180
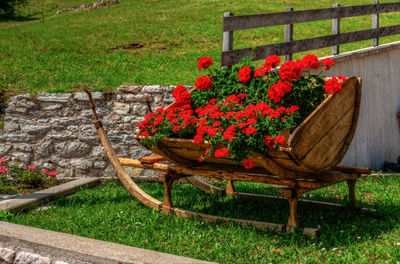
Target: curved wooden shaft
122,175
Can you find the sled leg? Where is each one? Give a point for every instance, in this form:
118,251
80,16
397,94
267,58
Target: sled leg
293,217
168,180
352,193
292,196
230,188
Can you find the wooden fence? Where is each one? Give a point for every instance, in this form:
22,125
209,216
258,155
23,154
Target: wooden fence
232,23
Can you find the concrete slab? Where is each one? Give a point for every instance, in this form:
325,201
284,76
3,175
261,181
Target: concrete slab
24,202
76,249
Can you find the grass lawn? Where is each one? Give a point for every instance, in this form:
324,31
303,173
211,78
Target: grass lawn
109,213
162,38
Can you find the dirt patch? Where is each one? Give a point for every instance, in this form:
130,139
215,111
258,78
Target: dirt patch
131,46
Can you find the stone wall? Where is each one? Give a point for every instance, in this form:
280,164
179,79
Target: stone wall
56,132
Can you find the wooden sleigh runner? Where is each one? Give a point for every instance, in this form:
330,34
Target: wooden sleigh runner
308,161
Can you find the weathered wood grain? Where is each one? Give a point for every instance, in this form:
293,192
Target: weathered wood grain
328,121
261,52
282,18
288,35
335,30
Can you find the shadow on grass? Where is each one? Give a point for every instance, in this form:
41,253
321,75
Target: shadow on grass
16,18
338,227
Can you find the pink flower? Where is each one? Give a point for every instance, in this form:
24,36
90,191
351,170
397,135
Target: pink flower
53,173
2,160
44,170
3,169
33,167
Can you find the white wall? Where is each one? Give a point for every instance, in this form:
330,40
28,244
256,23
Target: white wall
377,137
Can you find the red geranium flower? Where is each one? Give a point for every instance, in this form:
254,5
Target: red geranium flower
203,83
259,72
145,134
290,70
244,74
222,152
310,61
344,79
204,63
271,62
213,101
248,164
280,139
277,91
333,86
268,140
249,130
328,62
182,97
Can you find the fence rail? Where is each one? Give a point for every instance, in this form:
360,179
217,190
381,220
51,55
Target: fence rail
282,18
232,23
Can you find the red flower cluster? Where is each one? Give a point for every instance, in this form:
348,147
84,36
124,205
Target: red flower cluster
203,83
328,63
204,63
271,62
271,142
310,61
182,97
220,153
291,70
244,74
260,72
334,85
248,164
178,116
278,90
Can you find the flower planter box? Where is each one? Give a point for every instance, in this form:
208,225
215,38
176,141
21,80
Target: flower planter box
317,145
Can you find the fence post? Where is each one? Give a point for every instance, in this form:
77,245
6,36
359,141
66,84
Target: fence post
288,34
227,42
336,28
375,24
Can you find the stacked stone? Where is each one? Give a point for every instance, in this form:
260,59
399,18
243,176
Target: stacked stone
83,7
12,256
56,132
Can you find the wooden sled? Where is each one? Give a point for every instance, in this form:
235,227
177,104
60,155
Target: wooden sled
334,121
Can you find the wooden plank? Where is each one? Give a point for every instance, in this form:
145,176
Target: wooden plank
289,34
322,153
28,201
223,175
283,18
261,52
352,169
152,159
318,123
375,24
335,29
